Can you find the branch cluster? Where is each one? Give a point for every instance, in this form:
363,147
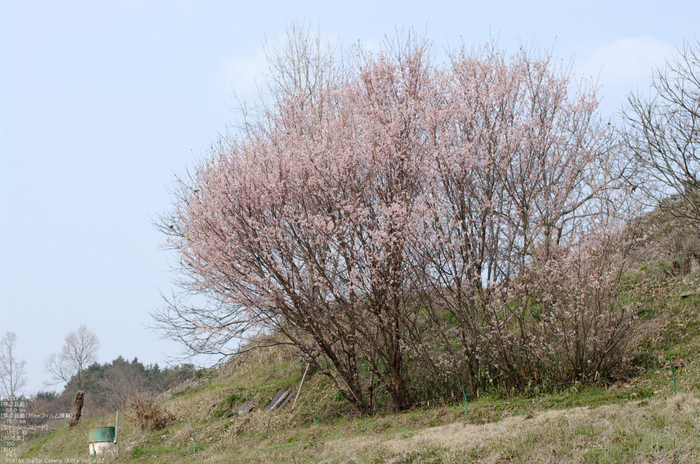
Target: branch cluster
662,137
78,352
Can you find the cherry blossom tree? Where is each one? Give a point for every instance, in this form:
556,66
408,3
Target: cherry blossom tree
518,171
389,220
318,205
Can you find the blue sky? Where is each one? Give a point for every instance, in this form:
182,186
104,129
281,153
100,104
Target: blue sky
103,102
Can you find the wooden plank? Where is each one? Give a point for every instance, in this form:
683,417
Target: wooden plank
247,406
284,395
286,400
275,399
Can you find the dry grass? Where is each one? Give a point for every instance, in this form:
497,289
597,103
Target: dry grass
149,415
197,407
653,430
647,431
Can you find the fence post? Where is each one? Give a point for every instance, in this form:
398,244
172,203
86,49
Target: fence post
466,410
673,371
194,444
318,421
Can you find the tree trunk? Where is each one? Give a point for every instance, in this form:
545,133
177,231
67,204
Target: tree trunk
77,409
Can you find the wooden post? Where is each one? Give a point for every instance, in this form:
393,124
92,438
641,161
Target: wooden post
673,371
466,410
300,385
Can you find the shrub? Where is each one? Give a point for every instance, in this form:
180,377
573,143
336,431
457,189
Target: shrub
149,415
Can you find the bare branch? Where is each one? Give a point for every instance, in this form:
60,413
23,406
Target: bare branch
663,137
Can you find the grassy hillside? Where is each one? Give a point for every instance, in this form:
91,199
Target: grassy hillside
636,417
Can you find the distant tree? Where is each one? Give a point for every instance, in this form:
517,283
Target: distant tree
122,380
12,375
78,352
111,386
663,137
44,403
46,395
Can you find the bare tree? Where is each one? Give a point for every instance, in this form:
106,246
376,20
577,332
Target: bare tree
12,376
663,137
78,352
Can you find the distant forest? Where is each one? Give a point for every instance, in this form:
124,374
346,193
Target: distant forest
110,387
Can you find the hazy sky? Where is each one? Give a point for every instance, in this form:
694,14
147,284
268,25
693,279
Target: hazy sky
103,102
